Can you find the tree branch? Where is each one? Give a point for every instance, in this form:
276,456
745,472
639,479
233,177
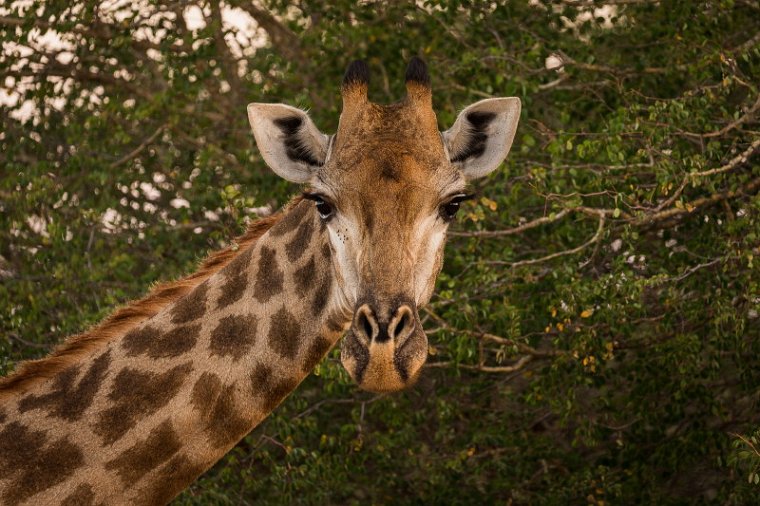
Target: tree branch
749,115
132,154
735,161
516,230
695,204
546,258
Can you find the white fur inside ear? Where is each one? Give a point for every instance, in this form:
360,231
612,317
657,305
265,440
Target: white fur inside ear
290,143
482,135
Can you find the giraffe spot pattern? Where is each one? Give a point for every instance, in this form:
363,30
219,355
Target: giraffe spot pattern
136,394
236,279
300,241
269,278
217,407
284,334
150,341
369,216
236,274
317,349
205,391
171,479
355,349
321,295
144,456
233,336
226,426
291,220
81,496
192,306
269,389
66,400
336,322
138,340
233,289
31,465
303,278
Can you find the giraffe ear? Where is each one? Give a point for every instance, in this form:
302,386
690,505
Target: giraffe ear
289,141
481,136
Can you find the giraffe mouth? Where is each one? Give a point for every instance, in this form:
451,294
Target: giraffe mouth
384,353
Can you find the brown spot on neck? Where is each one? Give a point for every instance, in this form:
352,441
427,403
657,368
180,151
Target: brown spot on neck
233,336
223,424
292,218
317,350
303,278
322,294
284,334
300,241
205,392
226,425
171,479
269,278
191,306
135,395
270,389
236,279
146,455
150,341
81,496
31,465
65,400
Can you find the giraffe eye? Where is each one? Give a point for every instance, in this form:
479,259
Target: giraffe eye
449,210
324,208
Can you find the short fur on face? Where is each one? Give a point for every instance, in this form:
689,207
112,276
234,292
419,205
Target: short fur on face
386,185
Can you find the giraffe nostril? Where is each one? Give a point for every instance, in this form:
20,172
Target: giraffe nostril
366,325
402,323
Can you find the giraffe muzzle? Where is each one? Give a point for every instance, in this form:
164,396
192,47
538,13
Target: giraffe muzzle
385,348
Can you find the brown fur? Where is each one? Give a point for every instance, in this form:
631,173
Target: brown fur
144,456
33,462
136,394
82,496
65,400
234,336
173,478
122,320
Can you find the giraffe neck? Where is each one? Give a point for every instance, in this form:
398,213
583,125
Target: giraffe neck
144,414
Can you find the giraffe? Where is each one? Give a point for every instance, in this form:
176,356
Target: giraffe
136,408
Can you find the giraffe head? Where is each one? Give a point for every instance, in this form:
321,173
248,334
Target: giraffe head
386,186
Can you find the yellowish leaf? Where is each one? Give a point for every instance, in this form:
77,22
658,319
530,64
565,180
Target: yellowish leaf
490,204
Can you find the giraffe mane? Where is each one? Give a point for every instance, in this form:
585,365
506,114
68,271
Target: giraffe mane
129,316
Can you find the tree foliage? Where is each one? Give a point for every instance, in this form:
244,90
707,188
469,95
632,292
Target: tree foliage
594,336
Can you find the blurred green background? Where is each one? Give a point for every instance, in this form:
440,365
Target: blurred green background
595,331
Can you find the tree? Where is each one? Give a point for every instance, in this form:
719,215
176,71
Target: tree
595,329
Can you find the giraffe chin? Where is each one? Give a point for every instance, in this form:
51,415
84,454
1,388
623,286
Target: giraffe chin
383,366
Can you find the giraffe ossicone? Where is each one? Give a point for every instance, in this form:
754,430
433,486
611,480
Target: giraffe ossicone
136,408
